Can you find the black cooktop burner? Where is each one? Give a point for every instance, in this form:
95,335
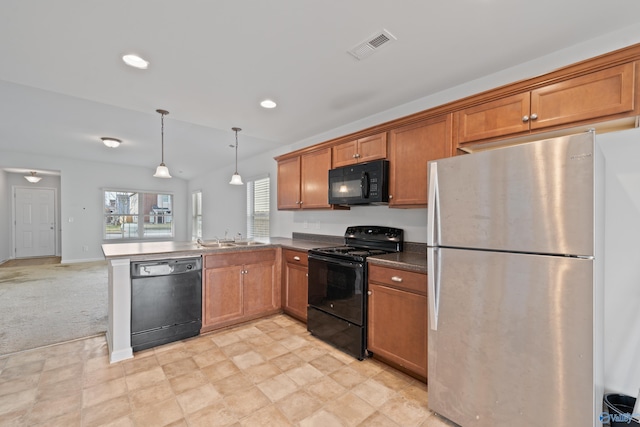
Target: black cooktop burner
364,241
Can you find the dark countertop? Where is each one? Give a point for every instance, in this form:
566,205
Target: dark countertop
412,261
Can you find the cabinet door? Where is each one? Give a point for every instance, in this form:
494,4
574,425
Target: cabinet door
222,295
410,148
397,327
315,179
296,290
345,154
289,183
258,288
373,147
598,94
496,118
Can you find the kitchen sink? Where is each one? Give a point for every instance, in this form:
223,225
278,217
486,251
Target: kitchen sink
216,244
248,243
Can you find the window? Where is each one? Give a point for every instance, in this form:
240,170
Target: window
196,215
258,207
136,215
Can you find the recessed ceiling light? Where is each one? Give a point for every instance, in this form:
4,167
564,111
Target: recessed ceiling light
135,61
111,142
267,103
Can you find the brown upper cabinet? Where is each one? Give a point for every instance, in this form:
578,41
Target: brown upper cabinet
362,150
410,148
303,181
586,98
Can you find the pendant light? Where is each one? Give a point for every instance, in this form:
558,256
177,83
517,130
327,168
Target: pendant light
236,179
32,178
162,171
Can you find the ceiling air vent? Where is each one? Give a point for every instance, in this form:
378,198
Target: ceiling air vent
372,44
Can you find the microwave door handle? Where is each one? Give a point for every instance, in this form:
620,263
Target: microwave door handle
364,185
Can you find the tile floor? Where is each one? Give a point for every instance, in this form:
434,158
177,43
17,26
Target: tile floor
270,372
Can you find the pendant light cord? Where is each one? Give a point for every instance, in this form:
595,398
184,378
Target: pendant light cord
162,136
236,150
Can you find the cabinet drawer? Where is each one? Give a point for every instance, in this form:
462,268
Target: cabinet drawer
296,257
239,258
401,279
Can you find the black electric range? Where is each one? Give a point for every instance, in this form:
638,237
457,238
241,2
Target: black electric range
338,286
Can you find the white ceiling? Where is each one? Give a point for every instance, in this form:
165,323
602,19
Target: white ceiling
63,84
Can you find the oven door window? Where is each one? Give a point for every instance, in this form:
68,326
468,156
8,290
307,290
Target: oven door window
337,287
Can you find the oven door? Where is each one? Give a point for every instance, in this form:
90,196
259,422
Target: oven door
337,287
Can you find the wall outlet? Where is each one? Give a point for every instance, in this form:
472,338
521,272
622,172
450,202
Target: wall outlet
85,249
305,224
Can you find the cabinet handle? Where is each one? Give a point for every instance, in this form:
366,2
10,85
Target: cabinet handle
296,258
396,279
534,116
369,292
525,119
355,156
390,196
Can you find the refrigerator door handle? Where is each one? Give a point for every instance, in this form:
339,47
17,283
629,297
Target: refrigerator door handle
433,281
433,211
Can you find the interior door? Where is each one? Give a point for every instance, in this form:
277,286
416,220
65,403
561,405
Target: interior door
34,213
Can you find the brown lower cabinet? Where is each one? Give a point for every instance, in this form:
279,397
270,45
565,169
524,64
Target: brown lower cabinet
295,289
239,286
397,318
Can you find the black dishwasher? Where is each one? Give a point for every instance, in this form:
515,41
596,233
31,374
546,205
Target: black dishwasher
166,301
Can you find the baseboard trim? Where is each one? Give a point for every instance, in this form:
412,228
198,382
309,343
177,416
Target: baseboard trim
76,261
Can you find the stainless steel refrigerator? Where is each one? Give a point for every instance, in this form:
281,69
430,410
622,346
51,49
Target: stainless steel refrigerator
515,285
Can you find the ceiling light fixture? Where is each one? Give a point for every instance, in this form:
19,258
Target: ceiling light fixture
111,142
267,103
236,179
162,171
32,178
135,61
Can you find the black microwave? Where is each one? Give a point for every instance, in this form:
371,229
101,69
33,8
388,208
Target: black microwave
360,184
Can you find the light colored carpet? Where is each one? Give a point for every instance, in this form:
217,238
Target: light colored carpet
49,304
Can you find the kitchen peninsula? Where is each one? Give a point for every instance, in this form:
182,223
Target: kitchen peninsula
121,255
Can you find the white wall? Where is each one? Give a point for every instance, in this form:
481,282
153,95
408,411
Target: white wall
622,261
81,198
5,218
224,205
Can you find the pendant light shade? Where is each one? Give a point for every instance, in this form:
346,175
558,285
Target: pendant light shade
236,179
162,171
32,178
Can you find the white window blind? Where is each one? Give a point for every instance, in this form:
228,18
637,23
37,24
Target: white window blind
196,215
258,191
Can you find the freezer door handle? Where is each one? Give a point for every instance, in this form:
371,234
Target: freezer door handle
433,281
433,209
